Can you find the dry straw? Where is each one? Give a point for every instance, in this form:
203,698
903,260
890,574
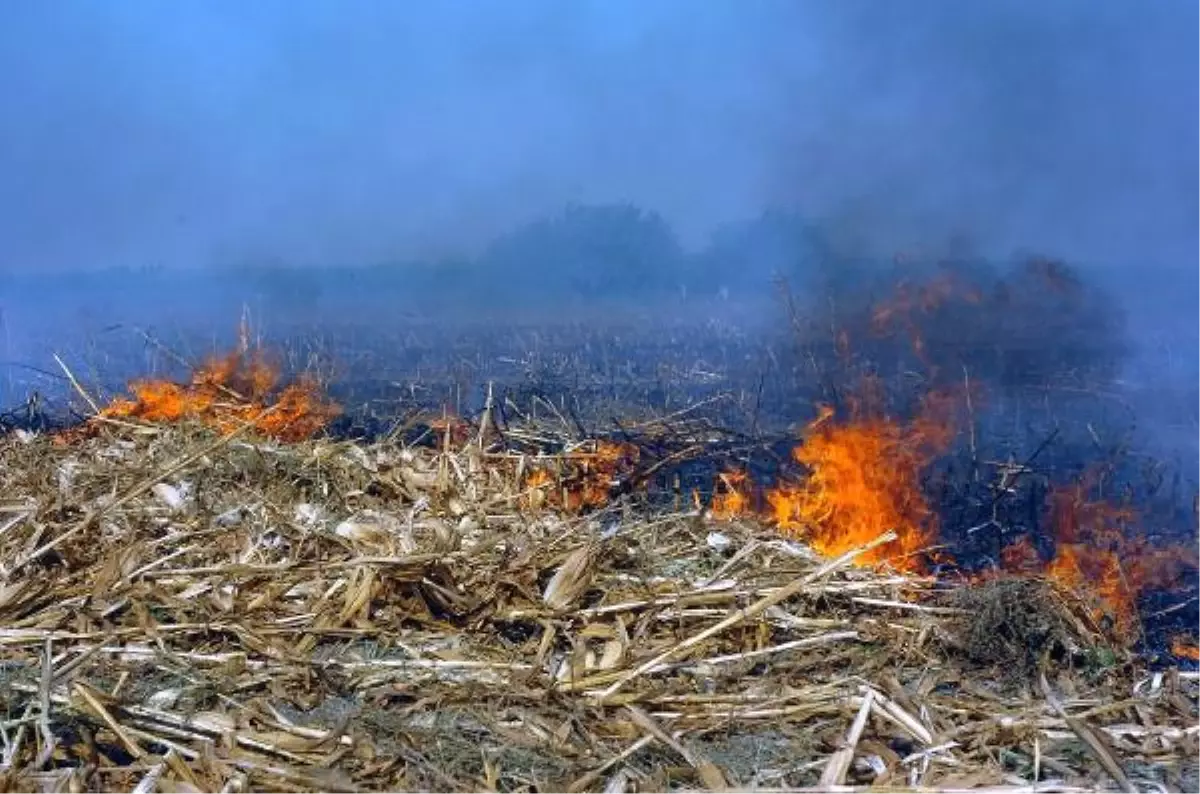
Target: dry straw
185,611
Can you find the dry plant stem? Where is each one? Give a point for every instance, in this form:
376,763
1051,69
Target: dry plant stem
100,711
711,776
64,672
12,750
149,782
835,770
807,642
741,615
1093,743
48,740
97,414
591,777
94,514
732,563
1037,759
78,388
879,602
891,711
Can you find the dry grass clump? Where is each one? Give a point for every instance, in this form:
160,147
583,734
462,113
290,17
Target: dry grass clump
1013,621
187,611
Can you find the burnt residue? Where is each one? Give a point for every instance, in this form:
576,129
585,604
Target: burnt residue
1170,618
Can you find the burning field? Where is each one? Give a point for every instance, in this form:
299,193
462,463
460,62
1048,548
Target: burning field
206,585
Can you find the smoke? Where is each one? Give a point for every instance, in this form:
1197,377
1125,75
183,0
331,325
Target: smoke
194,134
1061,127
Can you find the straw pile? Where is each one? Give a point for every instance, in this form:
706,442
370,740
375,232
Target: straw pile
182,610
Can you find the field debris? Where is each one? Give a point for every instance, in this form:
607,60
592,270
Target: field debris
199,606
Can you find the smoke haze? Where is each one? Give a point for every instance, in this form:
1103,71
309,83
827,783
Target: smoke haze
191,134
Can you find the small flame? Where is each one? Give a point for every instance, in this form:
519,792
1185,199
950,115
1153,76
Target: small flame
229,392
1100,558
451,430
1021,557
732,497
1055,276
907,310
586,477
1185,648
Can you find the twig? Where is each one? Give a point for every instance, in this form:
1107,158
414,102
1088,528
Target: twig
1093,743
711,776
48,740
835,770
807,642
741,615
150,781
94,514
1049,787
100,711
591,777
74,383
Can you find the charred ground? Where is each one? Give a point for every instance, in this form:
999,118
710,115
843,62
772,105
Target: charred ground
1019,370
509,504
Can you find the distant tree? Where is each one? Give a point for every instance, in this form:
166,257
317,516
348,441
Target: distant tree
596,252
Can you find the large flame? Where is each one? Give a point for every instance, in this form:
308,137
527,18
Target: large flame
864,479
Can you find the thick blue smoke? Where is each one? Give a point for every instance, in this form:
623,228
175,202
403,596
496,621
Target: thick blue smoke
199,134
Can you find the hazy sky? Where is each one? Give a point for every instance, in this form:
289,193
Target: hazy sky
194,133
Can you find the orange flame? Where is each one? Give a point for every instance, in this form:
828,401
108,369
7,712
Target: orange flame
585,478
229,392
1021,557
1097,577
1184,648
864,478
905,309
1101,559
733,497
451,430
